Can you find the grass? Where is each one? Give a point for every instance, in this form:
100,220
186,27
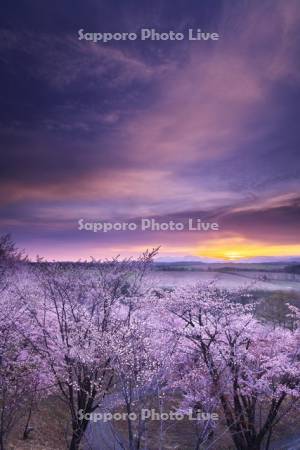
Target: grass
50,423
50,428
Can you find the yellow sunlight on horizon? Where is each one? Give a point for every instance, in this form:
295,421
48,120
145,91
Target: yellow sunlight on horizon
234,249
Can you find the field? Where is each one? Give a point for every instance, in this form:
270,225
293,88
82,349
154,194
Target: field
256,276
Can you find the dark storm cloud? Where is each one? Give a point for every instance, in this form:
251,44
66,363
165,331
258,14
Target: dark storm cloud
276,221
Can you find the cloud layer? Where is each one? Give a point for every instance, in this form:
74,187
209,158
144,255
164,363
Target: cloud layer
161,129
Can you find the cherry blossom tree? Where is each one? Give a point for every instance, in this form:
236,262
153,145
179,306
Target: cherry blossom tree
139,368
248,369
19,367
10,257
76,313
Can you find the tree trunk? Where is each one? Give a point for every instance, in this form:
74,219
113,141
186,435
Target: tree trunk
130,431
269,439
75,442
27,429
2,442
79,429
198,443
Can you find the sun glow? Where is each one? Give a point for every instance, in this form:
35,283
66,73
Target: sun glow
236,248
232,256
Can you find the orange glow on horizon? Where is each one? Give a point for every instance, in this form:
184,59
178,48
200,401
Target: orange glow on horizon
229,248
233,249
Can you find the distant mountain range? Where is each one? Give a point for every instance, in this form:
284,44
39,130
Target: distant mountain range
205,260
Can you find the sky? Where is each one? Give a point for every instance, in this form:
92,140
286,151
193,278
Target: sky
171,130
